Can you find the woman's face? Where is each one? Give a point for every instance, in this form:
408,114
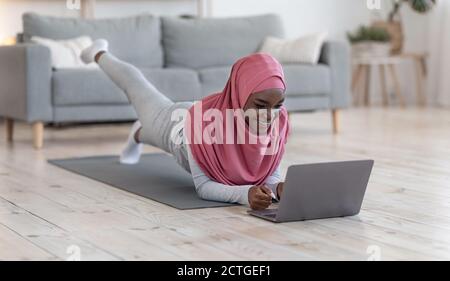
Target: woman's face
266,100
264,104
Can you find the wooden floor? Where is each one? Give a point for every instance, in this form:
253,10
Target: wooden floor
50,214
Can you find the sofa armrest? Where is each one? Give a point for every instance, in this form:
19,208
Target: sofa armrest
337,56
25,82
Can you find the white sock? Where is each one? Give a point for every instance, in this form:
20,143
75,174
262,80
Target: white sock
88,54
132,152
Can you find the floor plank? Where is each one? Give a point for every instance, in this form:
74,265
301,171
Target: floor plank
45,210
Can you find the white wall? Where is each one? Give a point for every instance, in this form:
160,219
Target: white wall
12,10
335,16
105,8
299,16
303,16
338,17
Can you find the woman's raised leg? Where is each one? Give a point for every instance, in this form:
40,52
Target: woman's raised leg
144,96
153,108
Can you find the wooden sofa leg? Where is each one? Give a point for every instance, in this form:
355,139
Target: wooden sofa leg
38,135
336,124
9,126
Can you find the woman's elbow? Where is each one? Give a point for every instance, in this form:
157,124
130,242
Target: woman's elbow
201,193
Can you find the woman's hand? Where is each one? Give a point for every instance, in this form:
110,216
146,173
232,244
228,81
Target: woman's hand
280,189
259,197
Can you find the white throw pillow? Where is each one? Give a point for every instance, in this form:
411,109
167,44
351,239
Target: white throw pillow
305,49
66,53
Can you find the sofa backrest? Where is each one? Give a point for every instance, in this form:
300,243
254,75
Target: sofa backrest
201,43
136,40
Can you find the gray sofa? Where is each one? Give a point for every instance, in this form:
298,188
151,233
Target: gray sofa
186,59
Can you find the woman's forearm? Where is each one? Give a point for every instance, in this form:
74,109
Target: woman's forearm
214,191
208,189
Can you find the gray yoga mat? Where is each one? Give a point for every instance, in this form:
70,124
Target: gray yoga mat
157,177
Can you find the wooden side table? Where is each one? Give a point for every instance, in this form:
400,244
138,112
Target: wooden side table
364,68
362,74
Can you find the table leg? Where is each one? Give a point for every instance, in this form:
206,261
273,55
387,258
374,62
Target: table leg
383,85
356,76
423,64
398,90
367,86
360,93
421,99
9,125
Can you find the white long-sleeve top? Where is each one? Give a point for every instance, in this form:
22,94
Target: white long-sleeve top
209,189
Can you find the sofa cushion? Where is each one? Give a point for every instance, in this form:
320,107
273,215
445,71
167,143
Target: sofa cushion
143,31
305,79
200,43
301,79
213,79
92,87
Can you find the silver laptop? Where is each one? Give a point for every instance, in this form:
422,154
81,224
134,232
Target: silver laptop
319,191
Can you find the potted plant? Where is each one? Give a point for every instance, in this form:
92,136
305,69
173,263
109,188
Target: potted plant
394,26
370,42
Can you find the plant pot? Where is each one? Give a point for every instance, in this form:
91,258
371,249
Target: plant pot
371,49
395,30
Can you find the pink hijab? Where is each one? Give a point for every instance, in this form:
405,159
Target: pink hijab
241,164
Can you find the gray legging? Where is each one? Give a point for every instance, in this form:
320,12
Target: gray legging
153,108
